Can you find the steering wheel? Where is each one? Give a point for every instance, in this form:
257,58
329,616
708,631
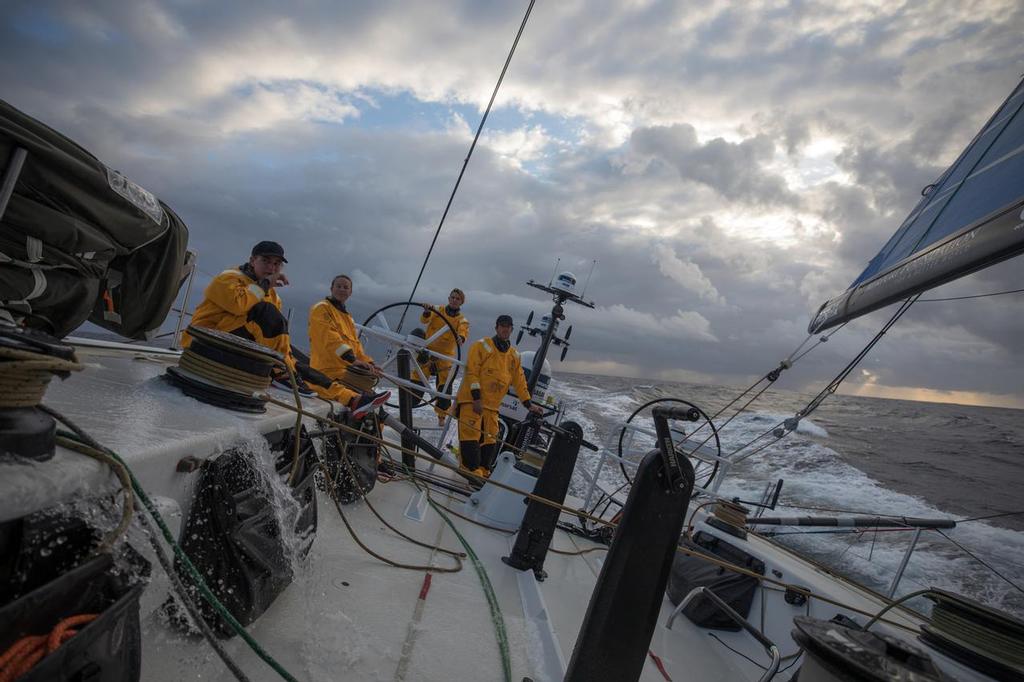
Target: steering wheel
378,333
704,469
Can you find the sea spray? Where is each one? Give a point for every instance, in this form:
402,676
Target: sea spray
273,468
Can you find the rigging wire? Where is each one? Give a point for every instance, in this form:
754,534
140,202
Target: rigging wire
961,298
469,155
990,516
770,377
829,389
981,561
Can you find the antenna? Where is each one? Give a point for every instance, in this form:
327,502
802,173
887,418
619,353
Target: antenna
593,265
553,272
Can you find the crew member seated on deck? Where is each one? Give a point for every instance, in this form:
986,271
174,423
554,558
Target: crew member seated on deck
244,302
433,318
493,366
334,347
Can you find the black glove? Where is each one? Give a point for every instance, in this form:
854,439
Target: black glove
265,285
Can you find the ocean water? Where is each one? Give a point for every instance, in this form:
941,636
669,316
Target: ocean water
884,457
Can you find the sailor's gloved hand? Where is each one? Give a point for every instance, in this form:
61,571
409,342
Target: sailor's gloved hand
478,406
423,357
348,356
265,285
535,409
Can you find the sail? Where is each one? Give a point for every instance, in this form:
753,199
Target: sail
971,218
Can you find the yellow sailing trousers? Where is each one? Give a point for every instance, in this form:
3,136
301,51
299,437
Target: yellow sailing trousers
477,428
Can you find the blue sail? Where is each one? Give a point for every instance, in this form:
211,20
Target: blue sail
969,219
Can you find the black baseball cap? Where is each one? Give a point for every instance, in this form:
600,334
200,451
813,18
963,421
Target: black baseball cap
503,319
269,249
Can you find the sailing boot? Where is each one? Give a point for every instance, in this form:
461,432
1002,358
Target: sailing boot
366,403
469,453
488,456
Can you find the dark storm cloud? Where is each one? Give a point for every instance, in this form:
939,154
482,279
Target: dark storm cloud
733,170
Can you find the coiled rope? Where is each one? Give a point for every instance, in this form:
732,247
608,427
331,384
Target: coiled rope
225,370
359,379
25,375
21,656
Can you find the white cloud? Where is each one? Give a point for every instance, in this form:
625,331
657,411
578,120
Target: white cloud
685,273
678,326
519,145
268,106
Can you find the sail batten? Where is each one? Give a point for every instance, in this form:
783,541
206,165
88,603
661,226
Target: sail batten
971,218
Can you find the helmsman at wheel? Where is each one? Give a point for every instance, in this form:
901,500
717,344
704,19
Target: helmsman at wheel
492,367
433,319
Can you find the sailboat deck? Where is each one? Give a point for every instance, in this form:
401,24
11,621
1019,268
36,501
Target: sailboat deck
347,615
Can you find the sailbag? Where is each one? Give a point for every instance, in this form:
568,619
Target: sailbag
970,218
79,240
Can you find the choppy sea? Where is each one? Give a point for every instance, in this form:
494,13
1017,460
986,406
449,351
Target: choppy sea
863,455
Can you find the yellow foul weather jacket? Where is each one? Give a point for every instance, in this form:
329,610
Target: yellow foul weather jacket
332,334
492,372
435,320
227,301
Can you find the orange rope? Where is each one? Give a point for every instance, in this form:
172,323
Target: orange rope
21,656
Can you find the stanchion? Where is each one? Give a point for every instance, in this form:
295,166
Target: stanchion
404,361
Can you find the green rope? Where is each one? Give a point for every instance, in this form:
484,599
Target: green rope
197,579
492,598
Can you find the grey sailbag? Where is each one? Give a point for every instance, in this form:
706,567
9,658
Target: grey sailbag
78,240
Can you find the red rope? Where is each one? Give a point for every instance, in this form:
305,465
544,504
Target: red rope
21,656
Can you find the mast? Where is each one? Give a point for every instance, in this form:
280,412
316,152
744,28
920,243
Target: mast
560,296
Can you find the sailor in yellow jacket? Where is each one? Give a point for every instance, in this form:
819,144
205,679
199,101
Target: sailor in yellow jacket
244,302
433,318
334,342
493,366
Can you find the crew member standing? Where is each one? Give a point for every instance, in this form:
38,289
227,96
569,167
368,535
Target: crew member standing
493,366
244,302
434,319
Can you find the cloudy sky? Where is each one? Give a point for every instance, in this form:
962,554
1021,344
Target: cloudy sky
730,166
